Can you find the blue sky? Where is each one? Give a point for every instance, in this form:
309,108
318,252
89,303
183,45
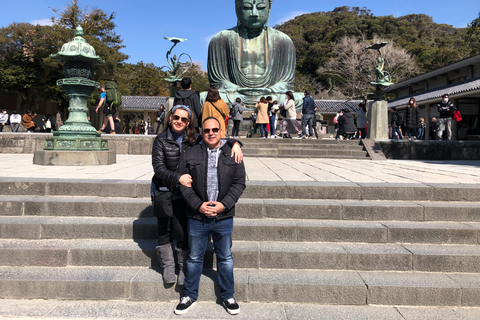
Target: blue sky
142,24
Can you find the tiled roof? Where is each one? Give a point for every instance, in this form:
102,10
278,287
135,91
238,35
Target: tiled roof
334,106
437,93
142,102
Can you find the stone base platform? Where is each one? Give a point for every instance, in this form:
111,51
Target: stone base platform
74,158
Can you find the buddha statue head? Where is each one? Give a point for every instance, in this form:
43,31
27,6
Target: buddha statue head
253,14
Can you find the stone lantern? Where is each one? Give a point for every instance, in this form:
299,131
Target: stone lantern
77,142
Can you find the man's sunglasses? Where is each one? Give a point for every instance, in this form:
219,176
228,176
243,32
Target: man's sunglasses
184,120
207,131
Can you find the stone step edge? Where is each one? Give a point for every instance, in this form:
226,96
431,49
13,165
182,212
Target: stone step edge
255,189
249,254
321,287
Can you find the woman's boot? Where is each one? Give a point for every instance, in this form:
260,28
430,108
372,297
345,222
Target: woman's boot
165,257
182,256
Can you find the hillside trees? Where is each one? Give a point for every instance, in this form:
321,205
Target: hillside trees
473,35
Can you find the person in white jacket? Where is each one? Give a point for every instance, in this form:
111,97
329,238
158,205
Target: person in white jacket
15,120
3,119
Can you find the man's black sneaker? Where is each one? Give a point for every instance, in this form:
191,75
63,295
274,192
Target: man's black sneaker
184,305
232,306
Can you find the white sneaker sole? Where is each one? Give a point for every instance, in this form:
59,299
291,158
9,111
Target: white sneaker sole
179,312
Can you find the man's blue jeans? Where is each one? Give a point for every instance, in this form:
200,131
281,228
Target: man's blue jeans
307,119
198,233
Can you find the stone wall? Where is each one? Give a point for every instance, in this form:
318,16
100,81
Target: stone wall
31,142
430,150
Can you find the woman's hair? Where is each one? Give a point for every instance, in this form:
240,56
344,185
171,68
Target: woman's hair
290,95
414,102
191,136
363,106
213,95
238,100
263,100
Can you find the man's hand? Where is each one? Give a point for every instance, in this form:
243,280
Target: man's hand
211,208
186,180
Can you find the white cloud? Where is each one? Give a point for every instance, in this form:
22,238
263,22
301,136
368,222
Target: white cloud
290,16
42,22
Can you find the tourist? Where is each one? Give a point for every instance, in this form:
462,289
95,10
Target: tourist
160,117
211,207
361,115
308,116
338,128
215,107
347,123
396,122
189,98
432,130
15,120
3,119
136,128
142,127
237,117
444,121
290,123
169,205
262,116
412,119
27,121
48,123
107,110
421,129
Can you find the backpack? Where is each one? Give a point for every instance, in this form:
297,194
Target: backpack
233,112
113,95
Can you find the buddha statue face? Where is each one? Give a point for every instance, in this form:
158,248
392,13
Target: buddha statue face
253,14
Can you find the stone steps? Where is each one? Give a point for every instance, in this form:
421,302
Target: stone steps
347,256
320,286
326,243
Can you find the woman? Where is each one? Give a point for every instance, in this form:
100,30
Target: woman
160,117
347,124
412,119
215,107
27,121
262,116
290,123
169,205
237,117
361,115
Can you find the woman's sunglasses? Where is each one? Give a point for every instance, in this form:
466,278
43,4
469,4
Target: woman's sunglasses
207,131
183,119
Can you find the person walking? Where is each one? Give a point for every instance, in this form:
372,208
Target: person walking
107,110
421,129
217,184
15,120
3,119
262,116
160,117
361,115
237,116
290,123
412,119
215,107
396,122
308,116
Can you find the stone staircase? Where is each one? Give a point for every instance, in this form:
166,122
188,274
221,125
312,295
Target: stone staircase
305,148
324,243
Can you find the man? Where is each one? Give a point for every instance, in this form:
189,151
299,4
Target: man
3,119
210,211
106,110
191,99
308,116
444,121
15,119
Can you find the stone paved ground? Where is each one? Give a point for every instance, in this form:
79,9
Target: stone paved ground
138,167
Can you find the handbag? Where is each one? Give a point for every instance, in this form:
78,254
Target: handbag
456,115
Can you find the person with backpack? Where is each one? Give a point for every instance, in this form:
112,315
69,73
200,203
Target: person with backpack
191,99
237,117
107,110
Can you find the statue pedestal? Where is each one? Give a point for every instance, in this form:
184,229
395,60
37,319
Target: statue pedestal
74,158
378,120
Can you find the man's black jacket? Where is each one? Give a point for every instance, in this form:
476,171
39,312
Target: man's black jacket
231,180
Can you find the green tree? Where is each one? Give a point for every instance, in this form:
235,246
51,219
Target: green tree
473,35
